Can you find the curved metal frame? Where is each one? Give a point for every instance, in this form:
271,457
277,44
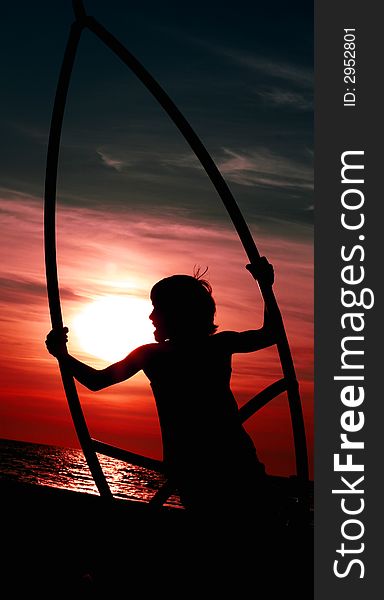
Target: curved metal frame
289,383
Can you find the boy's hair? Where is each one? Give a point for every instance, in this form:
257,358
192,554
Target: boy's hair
188,301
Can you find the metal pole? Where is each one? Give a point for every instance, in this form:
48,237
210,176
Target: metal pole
51,260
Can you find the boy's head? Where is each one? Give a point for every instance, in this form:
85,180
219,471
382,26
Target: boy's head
182,306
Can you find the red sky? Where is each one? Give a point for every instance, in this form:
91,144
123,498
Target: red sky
103,254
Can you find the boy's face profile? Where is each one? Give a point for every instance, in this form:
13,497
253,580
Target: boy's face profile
159,321
155,322
167,321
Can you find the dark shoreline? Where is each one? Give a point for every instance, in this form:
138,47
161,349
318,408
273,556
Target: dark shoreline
60,543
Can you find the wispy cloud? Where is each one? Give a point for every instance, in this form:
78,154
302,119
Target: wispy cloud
27,291
263,168
257,167
187,161
286,98
288,72
295,74
33,132
114,163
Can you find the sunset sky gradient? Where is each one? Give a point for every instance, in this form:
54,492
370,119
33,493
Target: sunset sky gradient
134,204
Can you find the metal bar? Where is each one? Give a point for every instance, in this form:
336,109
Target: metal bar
128,457
162,495
79,10
51,260
262,398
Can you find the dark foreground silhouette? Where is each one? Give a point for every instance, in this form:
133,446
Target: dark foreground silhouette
64,544
234,529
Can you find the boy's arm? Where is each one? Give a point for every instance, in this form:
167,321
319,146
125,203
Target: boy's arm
94,379
256,339
247,341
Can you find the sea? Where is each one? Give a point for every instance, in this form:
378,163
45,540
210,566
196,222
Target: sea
66,468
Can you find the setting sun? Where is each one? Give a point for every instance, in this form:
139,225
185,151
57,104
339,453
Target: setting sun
111,327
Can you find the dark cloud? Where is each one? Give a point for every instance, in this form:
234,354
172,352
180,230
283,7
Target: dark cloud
20,291
242,76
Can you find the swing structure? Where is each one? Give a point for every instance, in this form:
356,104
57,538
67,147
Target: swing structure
288,383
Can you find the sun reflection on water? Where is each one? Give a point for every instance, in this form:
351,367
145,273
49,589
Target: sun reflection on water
66,468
